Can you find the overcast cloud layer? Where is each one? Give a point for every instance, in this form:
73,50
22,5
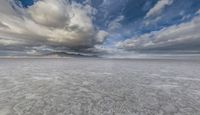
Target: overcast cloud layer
34,27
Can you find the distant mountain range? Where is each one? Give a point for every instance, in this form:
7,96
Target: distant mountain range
65,54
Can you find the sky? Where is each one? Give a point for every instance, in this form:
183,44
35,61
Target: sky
100,27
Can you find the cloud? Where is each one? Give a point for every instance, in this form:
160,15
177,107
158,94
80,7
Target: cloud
83,25
101,35
115,24
160,5
184,36
198,12
54,23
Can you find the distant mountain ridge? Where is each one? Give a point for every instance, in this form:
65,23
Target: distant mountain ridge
65,54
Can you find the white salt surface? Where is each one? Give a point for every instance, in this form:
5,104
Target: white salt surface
89,86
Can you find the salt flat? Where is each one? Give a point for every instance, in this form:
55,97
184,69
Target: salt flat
91,86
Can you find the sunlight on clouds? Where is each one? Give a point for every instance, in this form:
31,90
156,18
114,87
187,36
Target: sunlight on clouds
82,25
176,37
161,4
49,13
65,24
6,42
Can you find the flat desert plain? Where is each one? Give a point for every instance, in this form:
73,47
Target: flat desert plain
91,86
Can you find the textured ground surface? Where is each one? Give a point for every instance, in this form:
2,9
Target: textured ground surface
99,87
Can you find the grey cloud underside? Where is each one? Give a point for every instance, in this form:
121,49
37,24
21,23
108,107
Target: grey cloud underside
185,36
67,25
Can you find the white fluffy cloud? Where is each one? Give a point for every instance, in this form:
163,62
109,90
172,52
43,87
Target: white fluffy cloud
56,23
160,5
185,36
